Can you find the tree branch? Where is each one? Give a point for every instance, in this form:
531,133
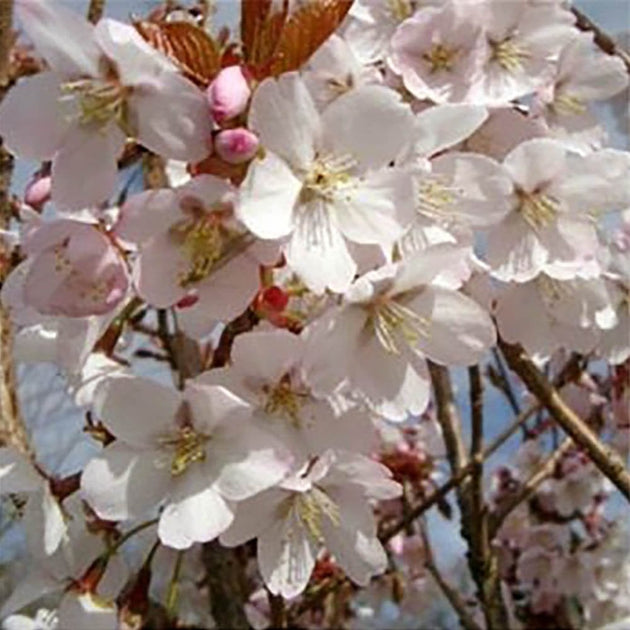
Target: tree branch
95,10
527,490
604,41
608,462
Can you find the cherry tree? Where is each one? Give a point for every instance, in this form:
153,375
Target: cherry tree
319,289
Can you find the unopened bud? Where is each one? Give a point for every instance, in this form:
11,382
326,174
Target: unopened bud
37,191
236,146
228,94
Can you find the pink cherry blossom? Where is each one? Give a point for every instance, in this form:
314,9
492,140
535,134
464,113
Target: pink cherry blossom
105,84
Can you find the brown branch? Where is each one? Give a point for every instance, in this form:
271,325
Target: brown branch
226,583
608,462
482,561
95,10
12,428
527,490
6,40
604,41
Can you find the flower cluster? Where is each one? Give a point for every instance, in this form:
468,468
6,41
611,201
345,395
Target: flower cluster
309,242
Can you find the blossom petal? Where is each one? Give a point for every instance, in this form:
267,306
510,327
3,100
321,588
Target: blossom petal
317,251
283,114
378,210
181,130
286,558
371,124
84,171
268,196
63,37
136,409
459,332
196,513
123,483
443,126
31,122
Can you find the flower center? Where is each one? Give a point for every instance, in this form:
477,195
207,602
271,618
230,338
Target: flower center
187,446
311,507
99,101
435,197
508,55
328,174
201,241
284,401
390,321
399,9
537,209
568,105
440,57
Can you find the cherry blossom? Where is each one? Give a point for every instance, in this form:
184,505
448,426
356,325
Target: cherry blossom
106,84
198,451
325,503
324,181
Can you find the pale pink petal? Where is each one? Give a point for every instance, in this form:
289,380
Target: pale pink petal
63,37
253,517
514,250
371,124
378,210
268,196
136,410
84,171
31,122
459,331
122,483
284,115
535,162
159,270
196,513
443,126
135,59
286,560
250,461
146,214
181,130
317,251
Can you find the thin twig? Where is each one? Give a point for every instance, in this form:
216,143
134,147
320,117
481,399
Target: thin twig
527,490
12,429
604,41
6,40
608,462
95,10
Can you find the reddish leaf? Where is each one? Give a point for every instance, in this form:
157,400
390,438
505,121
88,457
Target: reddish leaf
261,28
187,45
305,31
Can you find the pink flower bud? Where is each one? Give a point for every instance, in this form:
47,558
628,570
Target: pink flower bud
37,191
236,146
228,94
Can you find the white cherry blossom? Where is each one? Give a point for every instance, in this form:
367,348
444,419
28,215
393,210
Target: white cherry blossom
324,179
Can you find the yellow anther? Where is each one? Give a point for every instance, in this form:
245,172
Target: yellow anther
400,9
311,507
188,447
391,320
327,174
100,101
284,401
509,55
537,209
441,57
